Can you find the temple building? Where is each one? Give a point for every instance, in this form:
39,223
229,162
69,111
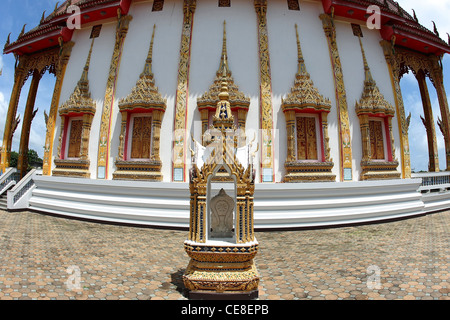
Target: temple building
314,85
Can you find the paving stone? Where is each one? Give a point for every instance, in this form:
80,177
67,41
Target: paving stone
137,263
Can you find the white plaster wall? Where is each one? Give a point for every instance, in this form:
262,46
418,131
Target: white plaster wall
166,50
98,76
243,58
353,69
284,66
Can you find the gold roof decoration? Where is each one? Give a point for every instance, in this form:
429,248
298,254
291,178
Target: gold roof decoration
304,95
372,100
145,94
237,99
80,100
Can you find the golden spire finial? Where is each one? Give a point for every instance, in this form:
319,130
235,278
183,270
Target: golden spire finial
368,74
84,75
301,61
223,111
223,68
148,62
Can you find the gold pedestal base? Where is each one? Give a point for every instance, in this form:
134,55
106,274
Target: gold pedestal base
219,278
138,170
298,171
375,170
72,168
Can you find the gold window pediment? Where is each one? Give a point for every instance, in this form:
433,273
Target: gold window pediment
375,118
143,162
306,112
73,161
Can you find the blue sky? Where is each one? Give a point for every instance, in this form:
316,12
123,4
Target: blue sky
15,13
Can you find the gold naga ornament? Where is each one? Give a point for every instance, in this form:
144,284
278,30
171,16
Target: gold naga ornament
221,241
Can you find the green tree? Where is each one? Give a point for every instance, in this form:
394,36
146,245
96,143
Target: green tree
33,159
14,159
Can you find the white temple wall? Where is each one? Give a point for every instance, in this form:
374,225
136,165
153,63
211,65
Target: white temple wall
98,77
243,58
353,69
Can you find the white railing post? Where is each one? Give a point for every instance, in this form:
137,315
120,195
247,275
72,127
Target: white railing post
19,196
8,179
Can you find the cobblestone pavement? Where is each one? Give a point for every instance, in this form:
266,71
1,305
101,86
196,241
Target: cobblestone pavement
40,256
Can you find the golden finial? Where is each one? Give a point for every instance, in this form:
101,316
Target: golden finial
223,68
84,76
366,65
301,61
148,62
42,18
23,30
8,40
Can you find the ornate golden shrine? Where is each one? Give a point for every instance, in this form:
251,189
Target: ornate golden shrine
301,108
221,242
375,117
144,99
79,105
239,103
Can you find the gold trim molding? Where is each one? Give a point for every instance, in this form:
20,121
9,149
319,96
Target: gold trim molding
181,103
266,109
345,146
105,124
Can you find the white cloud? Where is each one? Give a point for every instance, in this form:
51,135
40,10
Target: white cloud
3,106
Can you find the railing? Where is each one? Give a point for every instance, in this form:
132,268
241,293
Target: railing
434,181
19,196
8,179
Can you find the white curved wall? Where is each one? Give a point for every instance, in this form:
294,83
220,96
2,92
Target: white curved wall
242,40
275,205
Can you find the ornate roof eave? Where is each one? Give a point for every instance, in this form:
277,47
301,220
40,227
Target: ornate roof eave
415,37
304,95
53,27
145,94
237,99
394,21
